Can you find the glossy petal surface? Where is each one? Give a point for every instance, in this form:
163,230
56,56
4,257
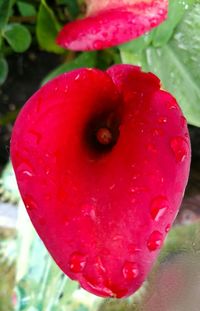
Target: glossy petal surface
109,23
102,213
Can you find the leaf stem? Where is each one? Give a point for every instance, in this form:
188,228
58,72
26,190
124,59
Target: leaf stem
22,19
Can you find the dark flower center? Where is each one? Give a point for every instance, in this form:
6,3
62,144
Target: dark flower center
102,132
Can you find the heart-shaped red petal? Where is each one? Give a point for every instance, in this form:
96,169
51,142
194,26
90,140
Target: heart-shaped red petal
102,160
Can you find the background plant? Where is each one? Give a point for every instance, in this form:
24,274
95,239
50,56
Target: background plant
172,51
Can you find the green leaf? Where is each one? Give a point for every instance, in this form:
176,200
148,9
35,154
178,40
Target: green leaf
3,70
18,37
128,57
72,6
177,10
26,9
5,8
177,64
161,34
138,44
47,29
87,59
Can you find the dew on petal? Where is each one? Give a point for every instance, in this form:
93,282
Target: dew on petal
159,205
137,190
47,171
183,121
29,203
89,210
25,170
97,44
77,77
130,270
179,147
132,248
99,265
171,105
162,119
133,200
77,262
167,228
112,187
101,288
152,148
27,173
157,132
155,241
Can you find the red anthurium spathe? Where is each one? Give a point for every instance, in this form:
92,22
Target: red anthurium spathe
112,22
102,161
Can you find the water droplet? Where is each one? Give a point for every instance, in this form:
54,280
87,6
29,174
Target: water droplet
47,171
99,265
77,262
36,135
155,241
183,121
66,89
137,190
159,205
100,288
152,148
157,132
25,168
118,238
132,248
171,105
112,187
29,203
77,77
130,270
97,44
89,210
167,228
27,173
162,120
133,190
154,22
179,147
134,177
161,11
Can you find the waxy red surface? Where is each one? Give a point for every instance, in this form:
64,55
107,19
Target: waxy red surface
112,22
102,211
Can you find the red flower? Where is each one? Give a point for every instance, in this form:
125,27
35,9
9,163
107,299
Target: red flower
102,160
112,22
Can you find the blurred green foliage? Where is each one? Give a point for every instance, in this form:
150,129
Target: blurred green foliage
7,268
14,36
